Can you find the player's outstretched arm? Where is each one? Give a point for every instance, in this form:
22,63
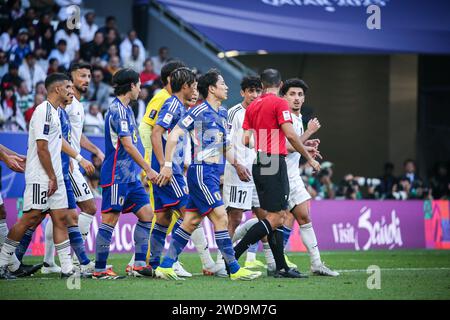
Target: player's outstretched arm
85,164
156,138
129,147
166,171
46,162
294,140
87,144
12,161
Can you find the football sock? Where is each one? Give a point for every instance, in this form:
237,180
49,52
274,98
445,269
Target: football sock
276,244
242,229
3,231
251,252
286,235
179,240
24,243
157,241
309,240
15,263
49,254
65,259
225,246
103,242
268,254
77,244
8,249
177,225
141,236
200,243
256,233
84,223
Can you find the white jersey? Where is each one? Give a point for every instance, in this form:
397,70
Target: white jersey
75,111
293,158
44,125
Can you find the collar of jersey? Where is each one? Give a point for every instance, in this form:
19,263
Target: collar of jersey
178,99
206,102
126,107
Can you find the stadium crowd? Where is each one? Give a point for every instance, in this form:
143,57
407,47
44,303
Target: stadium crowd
36,41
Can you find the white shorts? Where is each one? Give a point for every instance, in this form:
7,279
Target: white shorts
1,199
35,197
80,187
240,197
297,193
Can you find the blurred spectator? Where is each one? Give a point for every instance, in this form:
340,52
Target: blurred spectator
38,99
94,49
11,119
72,41
160,60
94,122
3,64
98,90
6,38
126,46
388,181
15,9
416,185
88,27
21,49
27,19
323,183
12,76
33,38
112,38
110,23
112,52
135,61
111,68
440,181
40,88
47,41
64,12
31,72
148,75
24,99
61,54
53,66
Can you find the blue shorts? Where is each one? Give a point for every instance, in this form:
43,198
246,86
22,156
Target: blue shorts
71,201
204,188
173,195
124,197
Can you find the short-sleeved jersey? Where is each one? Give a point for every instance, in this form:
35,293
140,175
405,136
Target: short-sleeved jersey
118,166
169,115
242,154
67,134
44,125
154,106
75,111
207,129
264,116
293,158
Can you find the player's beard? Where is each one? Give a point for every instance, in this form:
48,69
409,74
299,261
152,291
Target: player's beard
81,89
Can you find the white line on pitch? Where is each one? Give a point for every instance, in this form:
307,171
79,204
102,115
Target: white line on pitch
393,269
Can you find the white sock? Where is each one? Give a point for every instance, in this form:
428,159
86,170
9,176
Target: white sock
131,263
310,242
65,258
49,255
268,254
220,259
251,256
84,224
8,250
3,232
199,240
242,229
15,263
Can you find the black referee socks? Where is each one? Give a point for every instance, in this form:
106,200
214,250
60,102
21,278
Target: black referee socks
256,233
276,243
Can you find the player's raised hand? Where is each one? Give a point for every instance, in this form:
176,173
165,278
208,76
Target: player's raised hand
243,172
314,152
312,143
15,163
164,176
87,166
313,125
52,186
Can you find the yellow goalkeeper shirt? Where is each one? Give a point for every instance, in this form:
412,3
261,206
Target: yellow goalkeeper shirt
154,106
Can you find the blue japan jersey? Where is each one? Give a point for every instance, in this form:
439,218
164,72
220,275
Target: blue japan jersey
119,166
66,133
208,131
171,112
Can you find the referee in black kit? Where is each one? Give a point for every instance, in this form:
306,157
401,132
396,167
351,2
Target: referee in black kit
268,118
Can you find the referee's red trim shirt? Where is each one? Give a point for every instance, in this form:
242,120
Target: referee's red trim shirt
264,116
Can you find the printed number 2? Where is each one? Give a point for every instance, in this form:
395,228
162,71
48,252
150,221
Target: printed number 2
86,188
44,197
242,194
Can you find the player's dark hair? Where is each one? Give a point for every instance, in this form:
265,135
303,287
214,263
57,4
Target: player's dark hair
54,78
251,82
293,83
208,79
79,65
168,68
123,79
181,76
270,78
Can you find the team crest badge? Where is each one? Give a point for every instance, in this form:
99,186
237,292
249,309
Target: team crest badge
217,195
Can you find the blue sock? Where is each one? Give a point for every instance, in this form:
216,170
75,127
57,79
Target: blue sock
141,236
253,248
286,235
177,224
226,248
102,244
157,241
24,243
77,244
179,240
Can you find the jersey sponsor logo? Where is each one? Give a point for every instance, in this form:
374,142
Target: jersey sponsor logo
286,115
46,128
187,121
152,114
124,126
168,118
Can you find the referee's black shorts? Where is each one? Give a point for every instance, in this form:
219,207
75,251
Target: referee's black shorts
271,181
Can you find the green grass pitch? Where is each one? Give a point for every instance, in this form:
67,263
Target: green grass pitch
405,274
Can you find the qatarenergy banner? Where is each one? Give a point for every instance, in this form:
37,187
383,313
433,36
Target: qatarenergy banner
339,225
